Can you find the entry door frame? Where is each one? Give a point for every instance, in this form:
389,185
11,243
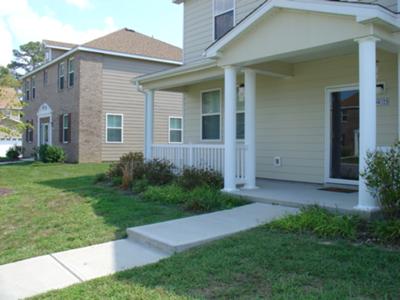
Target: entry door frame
328,135
41,133
44,112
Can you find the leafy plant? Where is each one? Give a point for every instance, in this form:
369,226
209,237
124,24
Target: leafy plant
320,222
140,186
193,177
51,154
159,172
386,231
133,161
100,178
382,176
168,194
14,153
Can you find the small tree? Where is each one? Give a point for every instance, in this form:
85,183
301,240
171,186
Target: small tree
382,176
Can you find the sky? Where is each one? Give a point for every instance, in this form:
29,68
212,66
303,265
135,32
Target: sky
79,21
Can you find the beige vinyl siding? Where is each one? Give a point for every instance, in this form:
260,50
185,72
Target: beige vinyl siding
244,7
290,114
121,97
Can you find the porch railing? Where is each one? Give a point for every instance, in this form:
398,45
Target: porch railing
201,156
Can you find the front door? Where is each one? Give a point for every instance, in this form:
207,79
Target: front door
44,134
344,137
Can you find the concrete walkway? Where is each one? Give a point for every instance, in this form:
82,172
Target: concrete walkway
145,245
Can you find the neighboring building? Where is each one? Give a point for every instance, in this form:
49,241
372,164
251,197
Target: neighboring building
83,98
10,118
286,90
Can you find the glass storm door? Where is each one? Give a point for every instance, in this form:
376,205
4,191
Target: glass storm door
44,134
345,115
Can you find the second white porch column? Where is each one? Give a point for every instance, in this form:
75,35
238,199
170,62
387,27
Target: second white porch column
230,129
367,77
148,124
250,127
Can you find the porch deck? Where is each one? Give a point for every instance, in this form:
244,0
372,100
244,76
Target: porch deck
296,194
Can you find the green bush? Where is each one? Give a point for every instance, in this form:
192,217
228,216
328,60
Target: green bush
116,181
168,194
51,154
14,153
159,172
100,178
192,178
129,167
386,231
382,176
140,186
320,222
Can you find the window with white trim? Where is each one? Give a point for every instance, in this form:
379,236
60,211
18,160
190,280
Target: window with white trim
71,72
224,17
65,128
211,115
61,76
33,87
175,129
114,128
27,90
45,77
240,114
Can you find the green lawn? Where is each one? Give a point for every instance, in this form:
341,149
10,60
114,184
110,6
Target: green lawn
57,207
258,264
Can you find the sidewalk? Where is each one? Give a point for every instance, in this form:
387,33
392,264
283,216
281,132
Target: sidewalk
145,245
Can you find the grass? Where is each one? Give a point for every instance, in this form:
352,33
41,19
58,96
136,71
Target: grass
57,207
259,264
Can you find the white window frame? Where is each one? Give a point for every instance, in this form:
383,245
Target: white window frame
122,128
28,95
169,129
59,76
221,13
45,77
211,114
33,87
65,128
69,61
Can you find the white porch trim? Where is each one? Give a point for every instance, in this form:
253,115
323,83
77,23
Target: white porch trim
44,111
148,124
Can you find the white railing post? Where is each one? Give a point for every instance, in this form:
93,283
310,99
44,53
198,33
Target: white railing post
148,127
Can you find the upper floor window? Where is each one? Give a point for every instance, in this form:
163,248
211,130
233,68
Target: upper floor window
47,54
45,77
33,87
71,72
224,17
61,76
27,90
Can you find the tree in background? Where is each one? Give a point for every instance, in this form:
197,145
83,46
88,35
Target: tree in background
28,57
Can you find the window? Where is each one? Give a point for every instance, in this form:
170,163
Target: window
71,72
45,77
114,128
27,90
47,55
240,114
61,76
175,129
66,128
29,132
224,17
211,115
33,87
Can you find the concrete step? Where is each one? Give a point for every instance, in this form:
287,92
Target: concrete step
182,234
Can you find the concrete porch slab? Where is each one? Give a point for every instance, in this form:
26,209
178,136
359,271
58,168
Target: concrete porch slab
33,276
182,234
297,194
105,259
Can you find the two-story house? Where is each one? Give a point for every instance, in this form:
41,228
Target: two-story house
82,99
289,90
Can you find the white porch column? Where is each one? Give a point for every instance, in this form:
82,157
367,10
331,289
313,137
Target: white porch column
367,77
230,129
148,126
250,127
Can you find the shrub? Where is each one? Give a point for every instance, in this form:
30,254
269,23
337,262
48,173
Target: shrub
14,153
116,181
382,176
192,178
386,231
320,222
168,194
140,186
132,161
51,154
159,172
203,199
100,178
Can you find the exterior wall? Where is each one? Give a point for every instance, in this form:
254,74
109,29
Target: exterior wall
290,114
61,102
198,23
56,53
121,97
